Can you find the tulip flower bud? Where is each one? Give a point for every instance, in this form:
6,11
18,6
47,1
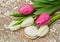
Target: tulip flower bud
42,19
26,9
43,30
28,22
12,28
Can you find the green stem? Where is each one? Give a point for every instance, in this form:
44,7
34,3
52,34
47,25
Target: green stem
19,22
16,15
54,18
34,16
18,18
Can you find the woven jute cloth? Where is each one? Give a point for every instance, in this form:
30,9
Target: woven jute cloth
10,6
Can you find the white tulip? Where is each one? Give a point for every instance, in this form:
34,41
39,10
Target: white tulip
43,30
28,22
31,32
12,28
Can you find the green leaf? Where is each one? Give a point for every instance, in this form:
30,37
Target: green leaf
43,1
39,0
54,18
18,18
16,15
39,5
48,10
51,0
56,3
19,22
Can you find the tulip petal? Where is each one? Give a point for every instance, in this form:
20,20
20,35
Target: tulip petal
26,9
42,19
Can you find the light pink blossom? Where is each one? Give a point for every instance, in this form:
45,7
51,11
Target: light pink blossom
42,19
26,9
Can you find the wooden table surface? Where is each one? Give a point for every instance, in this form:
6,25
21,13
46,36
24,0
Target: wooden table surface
10,6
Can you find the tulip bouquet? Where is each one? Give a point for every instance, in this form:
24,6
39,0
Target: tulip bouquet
35,18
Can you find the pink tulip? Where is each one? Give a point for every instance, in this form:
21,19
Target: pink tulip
42,19
26,9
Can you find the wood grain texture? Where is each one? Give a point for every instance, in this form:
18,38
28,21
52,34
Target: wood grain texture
11,6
